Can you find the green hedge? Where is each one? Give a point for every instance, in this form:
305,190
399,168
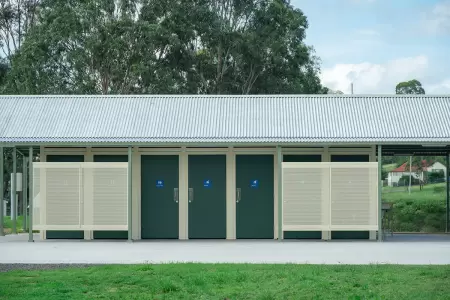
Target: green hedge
419,215
421,211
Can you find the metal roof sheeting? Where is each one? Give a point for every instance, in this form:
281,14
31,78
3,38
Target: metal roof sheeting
225,119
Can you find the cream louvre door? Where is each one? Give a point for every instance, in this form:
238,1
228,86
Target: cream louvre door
353,196
305,196
109,192
330,196
63,191
80,196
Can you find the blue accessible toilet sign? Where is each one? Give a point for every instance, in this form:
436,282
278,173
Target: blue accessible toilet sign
254,184
159,183
207,183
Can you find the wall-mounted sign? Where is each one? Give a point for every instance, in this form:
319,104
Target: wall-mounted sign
254,184
207,183
159,183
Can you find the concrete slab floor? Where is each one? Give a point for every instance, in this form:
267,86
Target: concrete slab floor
16,249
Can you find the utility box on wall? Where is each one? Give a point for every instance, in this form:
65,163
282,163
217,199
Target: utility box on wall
18,181
13,210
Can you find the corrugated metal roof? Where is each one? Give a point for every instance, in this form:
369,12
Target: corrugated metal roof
225,119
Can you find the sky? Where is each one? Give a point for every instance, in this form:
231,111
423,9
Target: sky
378,43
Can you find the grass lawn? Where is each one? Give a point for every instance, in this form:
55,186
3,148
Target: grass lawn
197,281
7,224
429,191
389,167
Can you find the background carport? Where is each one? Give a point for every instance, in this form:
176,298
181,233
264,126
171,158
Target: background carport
431,149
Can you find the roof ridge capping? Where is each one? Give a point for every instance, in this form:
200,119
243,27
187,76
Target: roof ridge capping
232,96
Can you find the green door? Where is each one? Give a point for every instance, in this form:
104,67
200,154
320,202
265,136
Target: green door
350,234
207,197
302,234
254,197
105,234
65,234
159,196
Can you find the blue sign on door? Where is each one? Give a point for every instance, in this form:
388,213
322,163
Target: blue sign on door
254,184
207,183
159,183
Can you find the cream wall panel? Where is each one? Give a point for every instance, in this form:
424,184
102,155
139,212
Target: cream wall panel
183,194
43,158
88,157
136,195
231,195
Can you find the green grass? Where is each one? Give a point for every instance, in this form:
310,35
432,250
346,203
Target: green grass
421,211
389,167
7,224
196,281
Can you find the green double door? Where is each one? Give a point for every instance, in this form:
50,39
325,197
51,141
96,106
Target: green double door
254,196
302,234
159,196
350,234
107,234
207,197
65,234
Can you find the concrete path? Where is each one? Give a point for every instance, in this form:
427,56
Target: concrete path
16,249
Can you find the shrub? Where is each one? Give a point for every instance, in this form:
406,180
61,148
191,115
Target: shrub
419,215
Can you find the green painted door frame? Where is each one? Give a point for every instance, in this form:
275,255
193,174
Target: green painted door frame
2,192
254,196
207,197
159,196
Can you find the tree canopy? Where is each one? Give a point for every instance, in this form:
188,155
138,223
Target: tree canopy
410,87
159,47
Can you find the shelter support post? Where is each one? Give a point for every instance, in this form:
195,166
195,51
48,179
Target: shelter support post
280,193
130,181
380,186
30,175
447,175
24,193
14,193
2,193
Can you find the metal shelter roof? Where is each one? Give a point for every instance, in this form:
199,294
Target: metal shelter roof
262,119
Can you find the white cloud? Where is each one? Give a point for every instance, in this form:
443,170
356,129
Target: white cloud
370,78
438,20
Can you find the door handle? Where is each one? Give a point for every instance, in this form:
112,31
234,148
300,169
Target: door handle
238,195
190,195
176,195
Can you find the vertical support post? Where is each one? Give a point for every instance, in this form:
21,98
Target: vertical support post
130,193
410,174
2,193
30,176
24,194
380,186
14,193
280,193
447,179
